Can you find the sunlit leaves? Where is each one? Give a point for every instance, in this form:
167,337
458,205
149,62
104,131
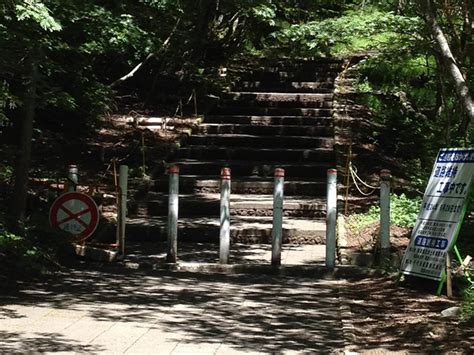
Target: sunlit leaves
38,12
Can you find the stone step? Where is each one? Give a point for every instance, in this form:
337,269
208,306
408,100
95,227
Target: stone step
270,120
253,168
275,99
278,96
243,229
275,130
278,104
245,140
264,154
285,87
272,111
191,184
316,74
208,204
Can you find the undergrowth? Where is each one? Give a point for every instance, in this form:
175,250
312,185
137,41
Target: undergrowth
403,213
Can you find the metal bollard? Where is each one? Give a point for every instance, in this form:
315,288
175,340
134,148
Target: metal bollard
331,217
224,237
385,177
122,215
277,233
73,178
173,200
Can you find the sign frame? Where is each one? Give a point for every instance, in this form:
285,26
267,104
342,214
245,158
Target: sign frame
445,204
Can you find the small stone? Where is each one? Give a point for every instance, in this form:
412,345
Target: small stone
451,312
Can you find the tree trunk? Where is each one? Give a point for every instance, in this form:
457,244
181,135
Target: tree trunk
449,62
20,192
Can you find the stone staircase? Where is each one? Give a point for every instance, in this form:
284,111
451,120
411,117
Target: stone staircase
275,114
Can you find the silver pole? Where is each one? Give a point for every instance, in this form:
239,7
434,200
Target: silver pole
385,212
224,237
123,186
172,254
277,233
331,217
73,178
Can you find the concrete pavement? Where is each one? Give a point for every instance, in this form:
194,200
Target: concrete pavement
123,311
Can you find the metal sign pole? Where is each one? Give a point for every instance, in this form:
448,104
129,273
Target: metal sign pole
173,200
331,215
277,233
224,237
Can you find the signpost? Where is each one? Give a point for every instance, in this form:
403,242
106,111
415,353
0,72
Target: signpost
442,212
75,213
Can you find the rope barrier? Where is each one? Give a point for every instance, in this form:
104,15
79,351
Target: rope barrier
355,178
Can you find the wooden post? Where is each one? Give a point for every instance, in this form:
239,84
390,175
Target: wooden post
173,201
449,276
277,232
385,177
331,217
224,237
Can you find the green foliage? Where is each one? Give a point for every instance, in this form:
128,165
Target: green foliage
467,308
403,213
39,251
38,12
355,30
6,171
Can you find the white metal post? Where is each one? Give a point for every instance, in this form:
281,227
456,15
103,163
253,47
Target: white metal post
277,232
172,253
73,178
385,212
224,237
122,215
331,217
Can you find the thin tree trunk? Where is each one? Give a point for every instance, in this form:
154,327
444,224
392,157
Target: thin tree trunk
148,57
462,89
20,192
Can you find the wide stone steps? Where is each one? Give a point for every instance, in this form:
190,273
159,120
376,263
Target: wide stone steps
274,130
276,114
272,111
191,184
204,152
243,229
263,120
208,204
247,140
253,168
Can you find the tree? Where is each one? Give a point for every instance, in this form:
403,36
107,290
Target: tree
450,63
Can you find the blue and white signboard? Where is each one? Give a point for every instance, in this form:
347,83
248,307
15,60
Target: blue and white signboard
442,211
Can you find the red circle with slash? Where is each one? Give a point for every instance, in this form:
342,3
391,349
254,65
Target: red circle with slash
75,213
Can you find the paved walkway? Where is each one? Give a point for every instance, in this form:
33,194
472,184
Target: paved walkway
155,253
173,313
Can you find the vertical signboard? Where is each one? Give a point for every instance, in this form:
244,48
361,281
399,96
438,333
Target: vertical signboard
442,211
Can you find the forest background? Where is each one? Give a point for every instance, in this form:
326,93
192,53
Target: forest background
65,64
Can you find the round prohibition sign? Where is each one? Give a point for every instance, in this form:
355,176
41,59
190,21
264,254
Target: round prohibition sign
75,213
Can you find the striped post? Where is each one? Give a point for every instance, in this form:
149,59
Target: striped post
123,186
73,178
277,230
173,200
224,237
331,217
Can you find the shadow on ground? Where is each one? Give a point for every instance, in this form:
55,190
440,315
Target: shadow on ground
243,312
